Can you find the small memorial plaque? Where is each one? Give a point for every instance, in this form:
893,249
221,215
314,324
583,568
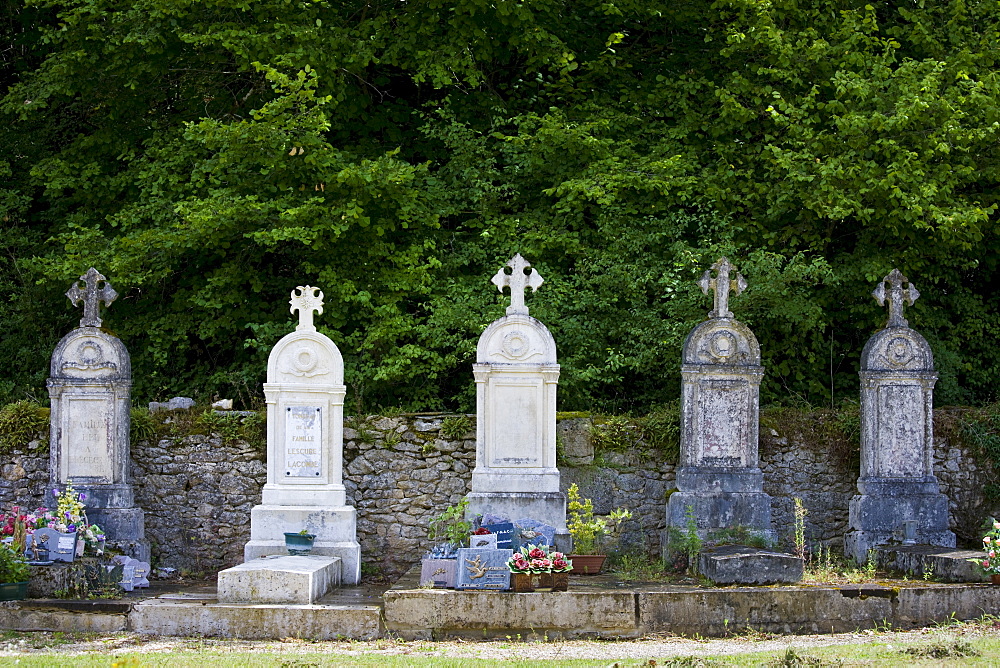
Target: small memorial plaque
533,532
61,546
482,569
439,572
303,441
504,533
486,541
141,573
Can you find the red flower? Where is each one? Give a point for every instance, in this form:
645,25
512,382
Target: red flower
537,554
481,531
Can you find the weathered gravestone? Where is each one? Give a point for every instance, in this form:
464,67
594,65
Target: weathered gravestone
719,477
305,442
900,500
516,377
89,385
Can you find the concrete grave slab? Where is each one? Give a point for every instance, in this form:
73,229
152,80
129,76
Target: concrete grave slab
298,580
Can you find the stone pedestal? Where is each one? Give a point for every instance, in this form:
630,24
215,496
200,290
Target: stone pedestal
516,378
305,422
899,497
89,386
719,476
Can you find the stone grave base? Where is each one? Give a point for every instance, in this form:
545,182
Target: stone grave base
335,530
751,510
942,563
547,507
300,580
739,564
877,520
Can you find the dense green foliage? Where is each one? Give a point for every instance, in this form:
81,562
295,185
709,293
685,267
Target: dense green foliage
209,156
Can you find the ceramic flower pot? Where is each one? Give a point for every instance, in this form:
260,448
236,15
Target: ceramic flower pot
521,583
995,578
587,564
542,581
298,544
560,581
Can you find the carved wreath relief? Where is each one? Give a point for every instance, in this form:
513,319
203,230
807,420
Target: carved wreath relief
304,360
89,357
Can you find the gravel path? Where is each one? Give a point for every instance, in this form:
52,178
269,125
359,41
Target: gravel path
644,648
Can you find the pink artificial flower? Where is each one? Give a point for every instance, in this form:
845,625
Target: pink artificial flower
537,554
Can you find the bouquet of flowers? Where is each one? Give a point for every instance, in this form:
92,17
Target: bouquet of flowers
560,564
991,546
518,563
538,559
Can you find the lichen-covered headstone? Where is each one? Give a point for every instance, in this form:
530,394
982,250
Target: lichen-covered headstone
719,477
516,376
899,495
305,445
89,385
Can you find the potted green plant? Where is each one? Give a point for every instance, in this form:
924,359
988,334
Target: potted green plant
300,542
588,532
13,574
451,528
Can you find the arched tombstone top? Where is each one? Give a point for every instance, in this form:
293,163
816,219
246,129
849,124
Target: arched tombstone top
305,356
722,341
516,339
897,347
89,353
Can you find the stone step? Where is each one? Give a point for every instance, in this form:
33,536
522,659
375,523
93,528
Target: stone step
174,617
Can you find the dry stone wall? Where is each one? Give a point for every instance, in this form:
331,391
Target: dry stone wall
197,491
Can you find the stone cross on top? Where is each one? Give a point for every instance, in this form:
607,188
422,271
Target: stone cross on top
895,295
722,285
308,300
91,295
518,280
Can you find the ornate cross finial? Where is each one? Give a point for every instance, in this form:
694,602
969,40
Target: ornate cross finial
518,280
308,300
722,285
896,295
91,295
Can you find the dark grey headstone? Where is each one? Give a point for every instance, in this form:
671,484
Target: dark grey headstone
482,569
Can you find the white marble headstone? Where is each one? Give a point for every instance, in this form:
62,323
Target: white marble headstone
516,375
305,422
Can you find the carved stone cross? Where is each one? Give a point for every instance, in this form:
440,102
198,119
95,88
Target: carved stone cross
518,280
896,295
91,295
308,300
722,285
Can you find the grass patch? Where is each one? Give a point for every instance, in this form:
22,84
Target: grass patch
20,423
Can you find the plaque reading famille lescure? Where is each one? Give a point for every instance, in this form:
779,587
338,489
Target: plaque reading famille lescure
303,441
